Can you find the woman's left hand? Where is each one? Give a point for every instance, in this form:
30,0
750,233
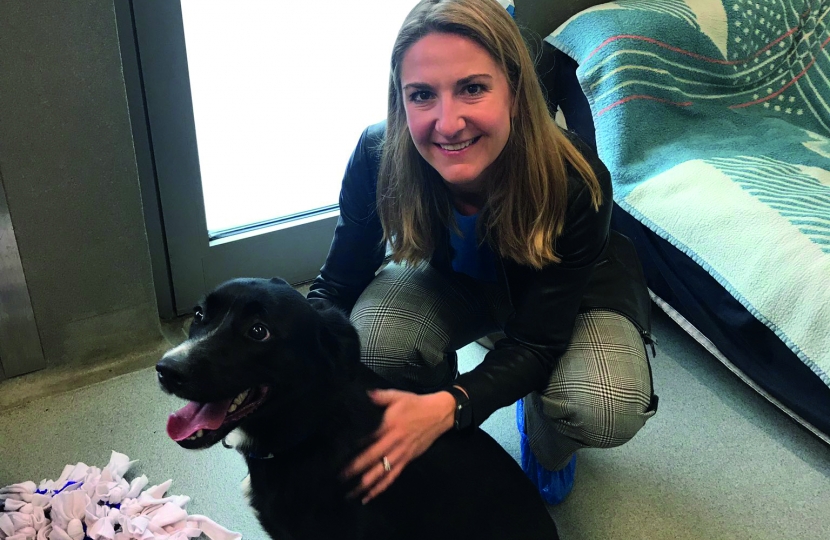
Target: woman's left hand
411,423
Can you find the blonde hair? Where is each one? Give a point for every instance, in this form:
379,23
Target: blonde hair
523,216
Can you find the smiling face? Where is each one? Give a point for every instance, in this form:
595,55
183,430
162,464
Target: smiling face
458,108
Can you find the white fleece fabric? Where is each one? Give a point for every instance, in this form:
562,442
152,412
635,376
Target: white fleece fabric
99,504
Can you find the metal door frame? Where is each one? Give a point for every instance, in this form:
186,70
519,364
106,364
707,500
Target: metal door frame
20,349
186,262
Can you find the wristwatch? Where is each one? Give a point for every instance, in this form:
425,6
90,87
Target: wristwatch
463,409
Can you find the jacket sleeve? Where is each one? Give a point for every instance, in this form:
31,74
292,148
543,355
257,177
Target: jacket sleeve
356,251
546,303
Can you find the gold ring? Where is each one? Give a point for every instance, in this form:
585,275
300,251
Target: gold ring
386,466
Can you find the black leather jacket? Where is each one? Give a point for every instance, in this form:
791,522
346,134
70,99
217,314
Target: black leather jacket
598,270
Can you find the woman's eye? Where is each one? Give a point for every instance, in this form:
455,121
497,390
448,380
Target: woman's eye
198,316
259,332
474,89
420,96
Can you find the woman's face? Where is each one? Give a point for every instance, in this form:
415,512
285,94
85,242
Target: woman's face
458,107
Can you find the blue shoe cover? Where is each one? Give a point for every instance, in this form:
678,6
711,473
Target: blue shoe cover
553,486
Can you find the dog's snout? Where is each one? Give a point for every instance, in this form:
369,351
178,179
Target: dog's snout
169,376
171,370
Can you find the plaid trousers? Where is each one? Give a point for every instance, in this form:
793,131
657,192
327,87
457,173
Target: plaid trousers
411,320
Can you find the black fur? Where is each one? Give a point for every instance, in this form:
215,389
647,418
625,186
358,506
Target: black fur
315,416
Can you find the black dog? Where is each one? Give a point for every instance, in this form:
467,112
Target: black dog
262,358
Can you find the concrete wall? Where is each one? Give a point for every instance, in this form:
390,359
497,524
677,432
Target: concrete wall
68,166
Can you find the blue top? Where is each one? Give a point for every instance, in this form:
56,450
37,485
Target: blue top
477,261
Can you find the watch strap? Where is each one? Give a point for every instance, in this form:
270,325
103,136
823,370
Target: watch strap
463,408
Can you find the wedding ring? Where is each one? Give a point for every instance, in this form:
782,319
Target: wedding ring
386,466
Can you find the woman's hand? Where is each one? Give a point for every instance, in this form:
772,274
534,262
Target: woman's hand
411,423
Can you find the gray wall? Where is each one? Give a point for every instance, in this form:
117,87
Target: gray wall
69,170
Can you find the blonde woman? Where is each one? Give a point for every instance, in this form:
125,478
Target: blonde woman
496,221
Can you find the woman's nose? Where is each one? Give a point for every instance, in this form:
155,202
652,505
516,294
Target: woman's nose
450,120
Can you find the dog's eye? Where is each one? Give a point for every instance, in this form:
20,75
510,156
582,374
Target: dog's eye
198,315
259,332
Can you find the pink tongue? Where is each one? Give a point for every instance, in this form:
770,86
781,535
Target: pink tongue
195,416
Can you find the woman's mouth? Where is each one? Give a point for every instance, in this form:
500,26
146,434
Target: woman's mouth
458,147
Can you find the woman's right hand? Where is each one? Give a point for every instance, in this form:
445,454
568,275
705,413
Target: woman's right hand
411,423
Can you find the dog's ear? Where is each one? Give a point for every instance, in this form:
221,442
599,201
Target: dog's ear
321,304
329,343
338,340
278,281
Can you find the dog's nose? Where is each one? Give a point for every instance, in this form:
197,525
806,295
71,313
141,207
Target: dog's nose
169,377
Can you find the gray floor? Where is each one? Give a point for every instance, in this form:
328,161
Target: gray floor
716,462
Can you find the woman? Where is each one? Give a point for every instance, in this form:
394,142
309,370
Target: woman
496,220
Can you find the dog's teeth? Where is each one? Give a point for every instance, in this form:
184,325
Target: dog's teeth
196,436
232,407
241,397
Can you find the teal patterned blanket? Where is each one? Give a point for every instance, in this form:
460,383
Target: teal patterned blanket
713,117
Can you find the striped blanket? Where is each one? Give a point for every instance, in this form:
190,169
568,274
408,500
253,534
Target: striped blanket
713,117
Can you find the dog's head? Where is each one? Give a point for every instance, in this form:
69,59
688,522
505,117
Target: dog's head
254,344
